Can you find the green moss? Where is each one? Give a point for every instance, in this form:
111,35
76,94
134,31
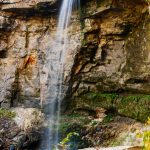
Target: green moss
136,106
132,106
100,99
68,120
108,118
5,113
111,96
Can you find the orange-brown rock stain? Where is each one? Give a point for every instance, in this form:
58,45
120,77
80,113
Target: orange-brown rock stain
29,63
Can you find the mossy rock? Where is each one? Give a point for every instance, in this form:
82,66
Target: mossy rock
132,106
5,113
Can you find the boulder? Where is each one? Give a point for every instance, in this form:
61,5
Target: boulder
22,129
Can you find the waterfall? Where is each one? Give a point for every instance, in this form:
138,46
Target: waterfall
56,58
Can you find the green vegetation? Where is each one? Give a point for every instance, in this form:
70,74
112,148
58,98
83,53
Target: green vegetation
146,140
108,118
84,42
68,142
70,136
145,137
5,113
147,1
132,106
68,121
129,105
71,127
114,96
108,96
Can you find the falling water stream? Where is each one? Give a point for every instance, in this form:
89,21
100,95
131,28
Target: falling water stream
56,58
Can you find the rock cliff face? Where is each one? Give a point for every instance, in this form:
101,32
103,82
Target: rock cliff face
27,33
114,58
109,48
115,51
22,25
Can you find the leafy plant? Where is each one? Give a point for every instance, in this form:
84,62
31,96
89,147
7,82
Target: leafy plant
146,140
145,137
68,138
148,121
67,142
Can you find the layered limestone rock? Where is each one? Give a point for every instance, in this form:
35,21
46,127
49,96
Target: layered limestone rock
111,57
27,34
26,6
114,57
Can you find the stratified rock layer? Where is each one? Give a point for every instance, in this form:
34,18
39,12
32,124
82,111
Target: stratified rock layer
114,57
115,51
27,34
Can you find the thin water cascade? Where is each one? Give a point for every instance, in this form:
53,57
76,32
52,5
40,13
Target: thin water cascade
56,58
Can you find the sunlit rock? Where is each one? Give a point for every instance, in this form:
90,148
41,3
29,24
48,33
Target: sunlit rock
28,119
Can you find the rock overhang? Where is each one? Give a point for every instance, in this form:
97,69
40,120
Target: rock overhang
43,7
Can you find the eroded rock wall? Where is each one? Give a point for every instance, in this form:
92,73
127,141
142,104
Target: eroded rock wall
28,31
114,57
20,54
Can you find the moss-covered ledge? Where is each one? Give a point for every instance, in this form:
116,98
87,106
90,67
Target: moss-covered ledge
132,106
